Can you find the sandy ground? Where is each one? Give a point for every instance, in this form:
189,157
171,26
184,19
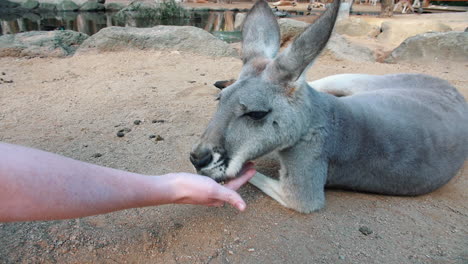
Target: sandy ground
75,106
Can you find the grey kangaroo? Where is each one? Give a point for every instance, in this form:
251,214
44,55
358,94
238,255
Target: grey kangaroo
402,134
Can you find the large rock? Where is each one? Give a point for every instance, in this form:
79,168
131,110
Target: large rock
395,32
30,4
67,5
48,6
91,6
290,28
433,47
32,16
356,27
41,43
186,38
114,6
339,47
5,4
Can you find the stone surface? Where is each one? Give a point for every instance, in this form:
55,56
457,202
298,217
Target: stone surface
395,32
185,38
341,48
32,16
114,6
433,47
91,6
4,4
356,27
48,6
67,5
30,4
290,28
41,43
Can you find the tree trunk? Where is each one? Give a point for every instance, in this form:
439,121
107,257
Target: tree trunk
386,8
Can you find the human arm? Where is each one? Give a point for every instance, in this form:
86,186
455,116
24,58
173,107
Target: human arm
38,185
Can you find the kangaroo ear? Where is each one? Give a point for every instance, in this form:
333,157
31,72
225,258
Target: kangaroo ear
294,60
260,33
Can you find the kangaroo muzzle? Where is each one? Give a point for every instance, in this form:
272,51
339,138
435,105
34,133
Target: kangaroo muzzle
201,157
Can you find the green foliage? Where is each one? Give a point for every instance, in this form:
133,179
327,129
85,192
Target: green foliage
161,12
170,8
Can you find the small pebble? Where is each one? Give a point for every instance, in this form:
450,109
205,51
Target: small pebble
159,138
192,81
231,252
152,136
137,122
342,257
251,249
158,121
120,134
202,74
97,155
3,73
125,130
365,230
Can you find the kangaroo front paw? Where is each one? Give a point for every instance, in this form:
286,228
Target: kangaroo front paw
307,207
304,203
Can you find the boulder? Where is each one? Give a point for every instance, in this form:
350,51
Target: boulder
239,20
41,43
114,6
5,4
32,16
290,28
181,38
91,6
67,5
356,27
395,32
432,47
48,6
340,48
30,4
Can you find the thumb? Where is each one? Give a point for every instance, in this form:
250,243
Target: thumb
231,197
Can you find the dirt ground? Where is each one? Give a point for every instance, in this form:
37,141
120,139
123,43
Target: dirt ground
75,106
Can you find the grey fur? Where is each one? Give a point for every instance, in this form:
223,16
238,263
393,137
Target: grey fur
403,134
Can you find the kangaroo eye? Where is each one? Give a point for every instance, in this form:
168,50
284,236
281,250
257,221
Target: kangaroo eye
257,115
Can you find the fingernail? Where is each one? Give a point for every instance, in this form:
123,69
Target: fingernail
240,206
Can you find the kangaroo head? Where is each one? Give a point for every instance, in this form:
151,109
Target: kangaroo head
263,110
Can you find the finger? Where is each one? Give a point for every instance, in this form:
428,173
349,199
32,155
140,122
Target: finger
246,167
217,204
231,197
238,182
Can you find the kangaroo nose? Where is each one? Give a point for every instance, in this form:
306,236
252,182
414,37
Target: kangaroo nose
201,158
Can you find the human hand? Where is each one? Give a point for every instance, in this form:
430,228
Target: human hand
202,190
